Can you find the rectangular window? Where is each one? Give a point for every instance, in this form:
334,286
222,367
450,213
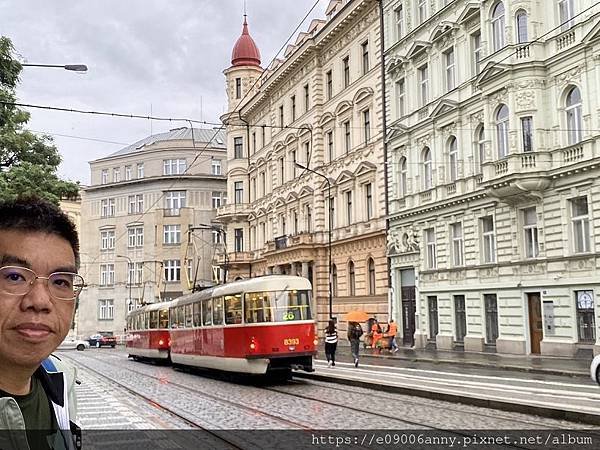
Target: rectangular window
491,318
580,223
293,107
332,211
421,11
527,133
238,147
135,204
171,234
460,318
488,239
127,173
238,192
116,174
174,201
294,222
450,69
253,142
348,195
329,85
216,237
477,51
174,166
107,240
135,237
172,269
347,143
216,167
369,200
107,274
585,316
238,240
106,309
367,125
140,170
430,246
281,171
104,176
399,19
263,183
400,97
306,98
530,230
134,272
365,57
306,153
308,217
330,149
456,234
346,71
293,159
567,11
433,316
107,207
238,88
281,116
423,85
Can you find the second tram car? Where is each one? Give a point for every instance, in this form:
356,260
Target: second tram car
253,326
148,332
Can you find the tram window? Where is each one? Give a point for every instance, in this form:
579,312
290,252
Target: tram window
207,311
146,321
153,320
197,316
180,316
173,316
277,306
218,311
233,309
188,316
163,319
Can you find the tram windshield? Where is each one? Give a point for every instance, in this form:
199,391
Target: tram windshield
277,306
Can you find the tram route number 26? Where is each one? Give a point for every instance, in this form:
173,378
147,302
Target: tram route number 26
291,341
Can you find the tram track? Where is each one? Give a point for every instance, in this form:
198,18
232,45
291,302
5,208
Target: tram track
186,390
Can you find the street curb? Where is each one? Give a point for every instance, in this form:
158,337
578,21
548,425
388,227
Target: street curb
486,365
552,413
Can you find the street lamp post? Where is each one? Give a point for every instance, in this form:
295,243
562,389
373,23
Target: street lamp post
130,265
328,234
71,67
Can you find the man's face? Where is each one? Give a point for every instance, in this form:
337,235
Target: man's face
33,325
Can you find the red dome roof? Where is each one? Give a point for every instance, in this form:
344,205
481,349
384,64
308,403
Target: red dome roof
245,52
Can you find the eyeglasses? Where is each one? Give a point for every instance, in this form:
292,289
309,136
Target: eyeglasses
15,280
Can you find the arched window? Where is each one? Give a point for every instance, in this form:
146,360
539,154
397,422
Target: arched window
371,270
574,115
427,169
334,280
480,142
498,26
351,279
521,26
502,131
403,176
453,151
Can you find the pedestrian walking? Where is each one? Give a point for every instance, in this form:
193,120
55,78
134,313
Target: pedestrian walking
331,338
392,331
355,331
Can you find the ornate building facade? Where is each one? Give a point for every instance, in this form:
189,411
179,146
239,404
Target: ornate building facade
494,189
146,236
305,149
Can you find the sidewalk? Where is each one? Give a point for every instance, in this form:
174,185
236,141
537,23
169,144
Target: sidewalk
550,365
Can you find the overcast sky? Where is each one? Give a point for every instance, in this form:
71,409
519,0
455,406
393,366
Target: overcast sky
141,54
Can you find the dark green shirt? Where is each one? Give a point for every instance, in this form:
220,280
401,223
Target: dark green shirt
40,422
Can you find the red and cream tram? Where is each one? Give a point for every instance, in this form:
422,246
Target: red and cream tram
254,326
148,332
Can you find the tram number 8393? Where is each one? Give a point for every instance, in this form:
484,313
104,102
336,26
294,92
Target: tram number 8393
291,341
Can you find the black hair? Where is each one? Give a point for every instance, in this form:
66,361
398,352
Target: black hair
30,213
331,326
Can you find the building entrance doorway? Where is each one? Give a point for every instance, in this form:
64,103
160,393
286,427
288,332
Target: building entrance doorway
409,306
536,331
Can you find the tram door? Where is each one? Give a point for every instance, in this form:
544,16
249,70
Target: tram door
409,306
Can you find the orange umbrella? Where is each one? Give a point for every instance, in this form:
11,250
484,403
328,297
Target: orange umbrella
357,316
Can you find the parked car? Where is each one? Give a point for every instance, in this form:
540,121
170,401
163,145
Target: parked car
595,369
102,340
70,343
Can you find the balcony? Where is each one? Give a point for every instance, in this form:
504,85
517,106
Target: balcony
233,212
171,212
240,257
518,176
281,242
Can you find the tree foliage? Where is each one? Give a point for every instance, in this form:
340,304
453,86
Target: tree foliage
28,162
